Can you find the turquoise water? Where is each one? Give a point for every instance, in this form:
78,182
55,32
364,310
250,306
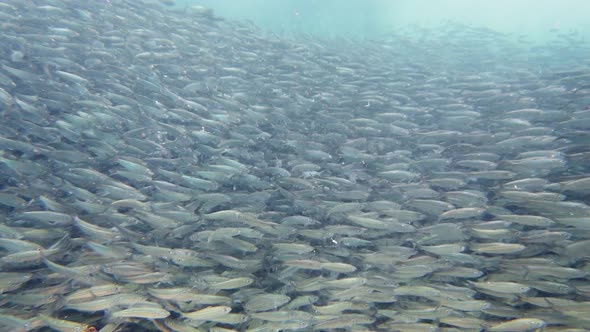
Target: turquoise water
539,20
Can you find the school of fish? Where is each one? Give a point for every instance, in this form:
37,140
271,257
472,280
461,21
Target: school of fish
164,169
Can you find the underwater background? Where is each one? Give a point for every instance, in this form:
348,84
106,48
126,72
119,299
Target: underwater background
538,20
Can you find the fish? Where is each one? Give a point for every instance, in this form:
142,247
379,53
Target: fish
266,302
140,312
520,324
208,313
166,168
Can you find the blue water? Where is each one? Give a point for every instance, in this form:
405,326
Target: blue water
539,20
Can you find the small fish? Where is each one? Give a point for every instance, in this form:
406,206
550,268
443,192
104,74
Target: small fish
65,325
520,324
142,312
501,286
232,283
208,313
265,302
